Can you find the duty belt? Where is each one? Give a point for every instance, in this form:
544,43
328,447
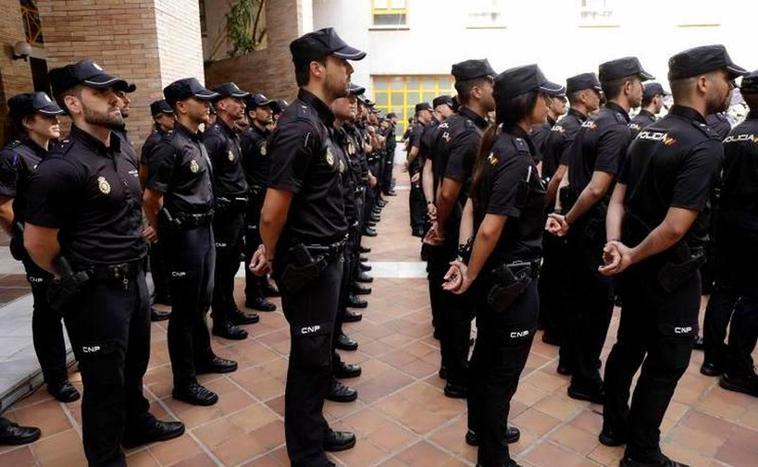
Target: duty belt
187,220
118,271
328,252
239,202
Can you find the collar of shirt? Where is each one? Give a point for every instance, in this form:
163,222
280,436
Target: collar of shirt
261,131
196,137
647,112
550,121
518,132
324,112
687,112
618,108
39,150
227,129
94,144
478,120
577,114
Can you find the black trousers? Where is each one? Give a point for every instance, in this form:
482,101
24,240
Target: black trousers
159,270
191,257
311,314
417,205
389,163
589,311
47,330
228,230
108,323
552,289
743,334
453,315
253,283
502,348
657,332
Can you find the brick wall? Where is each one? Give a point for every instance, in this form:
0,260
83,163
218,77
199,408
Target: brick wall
179,41
15,75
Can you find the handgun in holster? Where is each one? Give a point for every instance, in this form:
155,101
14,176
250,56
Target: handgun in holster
303,270
67,285
673,274
172,221
511,280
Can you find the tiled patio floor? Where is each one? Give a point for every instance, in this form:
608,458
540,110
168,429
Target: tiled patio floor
401,416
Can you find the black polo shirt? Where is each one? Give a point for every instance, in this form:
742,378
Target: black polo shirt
359,157
155,136
559,139
414,139
255,157
126,146
739,188
510,186
349,172
539,137
178,167
640,121
18,161
223,146
304,163
719,124
91,193
674,162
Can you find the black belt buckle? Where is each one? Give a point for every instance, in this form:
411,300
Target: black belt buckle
117,271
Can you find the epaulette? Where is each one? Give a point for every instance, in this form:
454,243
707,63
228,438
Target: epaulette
521,145
63,147
705,129
620,118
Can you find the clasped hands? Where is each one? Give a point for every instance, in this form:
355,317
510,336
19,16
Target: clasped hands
457,280
260,265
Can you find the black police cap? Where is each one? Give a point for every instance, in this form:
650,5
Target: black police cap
423,106
319,44
653,89
229,90
472,69
442,100
391,115
160,107
701,60
356,90
581,82
85,72
258,100
29,103
523,79
749,84
184,89
621,68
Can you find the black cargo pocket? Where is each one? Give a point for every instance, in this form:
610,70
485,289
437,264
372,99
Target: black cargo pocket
311,344
100,362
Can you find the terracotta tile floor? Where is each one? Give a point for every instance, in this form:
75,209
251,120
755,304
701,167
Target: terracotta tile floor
401,416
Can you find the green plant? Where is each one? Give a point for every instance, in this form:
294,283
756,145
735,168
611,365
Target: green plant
243,27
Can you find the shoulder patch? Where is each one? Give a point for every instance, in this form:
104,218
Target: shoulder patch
520,145
705,129
619,118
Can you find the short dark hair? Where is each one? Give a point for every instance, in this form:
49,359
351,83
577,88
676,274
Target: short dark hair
463,88
510,111
647,100
573,97
303,73
613,88
751,99
60,98
682,88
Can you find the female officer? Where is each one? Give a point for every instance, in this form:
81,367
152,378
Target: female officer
506,210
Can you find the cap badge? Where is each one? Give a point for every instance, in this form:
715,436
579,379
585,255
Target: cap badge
103,185
194,167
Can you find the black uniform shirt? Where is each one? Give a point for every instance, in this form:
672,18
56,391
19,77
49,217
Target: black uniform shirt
255,160
359,158
18,161
559,139
223,145
414,140
511,186
600,146
739,189
719,124
345,152
539,137
93,195
303,162
126,146
178,167
672,163
155,136
640,121
427,140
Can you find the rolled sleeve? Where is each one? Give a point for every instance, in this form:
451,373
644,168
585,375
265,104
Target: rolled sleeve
292,148
161,164
53,191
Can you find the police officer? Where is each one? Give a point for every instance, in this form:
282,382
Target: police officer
594,161
414,163
163,124
34,128
230,187
255,162
443,108
504,217
719,123
84,226
389,161
583,92
652,103
736,255
303,228
453,152
125,107
540,132
179,205
657,221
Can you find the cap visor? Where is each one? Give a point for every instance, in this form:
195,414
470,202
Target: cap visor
357,90
552,89
349,53
106,81
240,95
206,95
735,70
645,76
51,109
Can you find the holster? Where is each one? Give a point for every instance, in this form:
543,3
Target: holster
510,281
304,270
63,289
674,274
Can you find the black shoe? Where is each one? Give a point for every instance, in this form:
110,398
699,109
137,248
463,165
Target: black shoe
442,373
338,441
239,317
364,267
362,258
370,223
355,302
359,289
612,438
364,278
351,316
347,370
391,193
63,392
229,331
711,369
158,315
260,304
699,343
338,392
216,365
163,299
195,394
363,249
152,432
595,395
270,290
381,203
664,462
455,391
369,232
512,435
744,384
564,370
345,343
11,434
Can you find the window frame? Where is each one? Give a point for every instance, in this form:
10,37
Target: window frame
475,8
407,106
390,11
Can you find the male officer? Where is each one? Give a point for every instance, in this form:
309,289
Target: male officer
84,226
657,220
594,160
453,153
255,162
719,123
179,205
555,110
583,93
389,161
222,142
303,228
736,255
443,108
413,165
163,124
652,103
